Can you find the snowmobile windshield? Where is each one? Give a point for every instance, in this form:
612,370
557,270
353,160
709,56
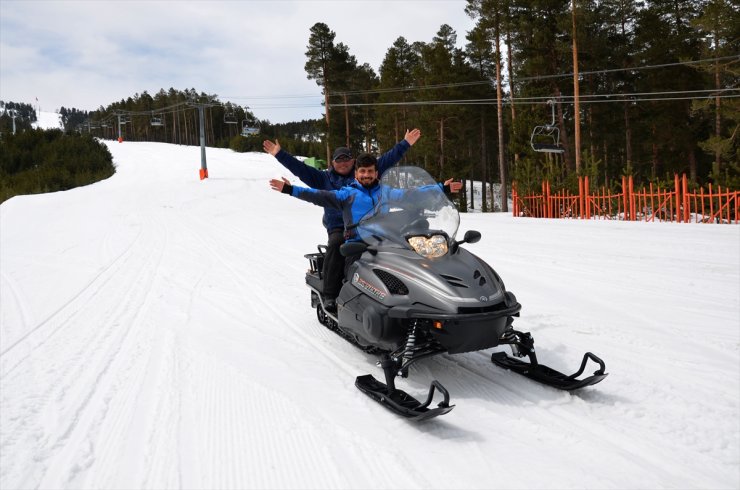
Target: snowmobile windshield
411,203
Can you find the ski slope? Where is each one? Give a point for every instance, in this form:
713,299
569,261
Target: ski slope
156,332
48,120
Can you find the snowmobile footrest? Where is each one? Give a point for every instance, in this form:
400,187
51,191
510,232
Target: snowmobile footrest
400,402
550,377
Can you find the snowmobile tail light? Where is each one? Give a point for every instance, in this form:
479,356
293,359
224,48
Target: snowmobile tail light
434,246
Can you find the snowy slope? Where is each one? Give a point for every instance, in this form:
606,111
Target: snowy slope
48,120
155,332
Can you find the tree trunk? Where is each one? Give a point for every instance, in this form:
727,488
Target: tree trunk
483,151
654,168
692,165
628,134
576,96
346,121
499,113
606,159
367,125
565,140
717,119
328,126
441,147
213,130
591,142
511,88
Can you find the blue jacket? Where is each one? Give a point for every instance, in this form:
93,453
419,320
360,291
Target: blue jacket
354,201
329,180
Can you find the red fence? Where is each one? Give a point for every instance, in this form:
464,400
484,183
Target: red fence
647,204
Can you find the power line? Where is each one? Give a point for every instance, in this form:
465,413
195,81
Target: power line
526,79
518,101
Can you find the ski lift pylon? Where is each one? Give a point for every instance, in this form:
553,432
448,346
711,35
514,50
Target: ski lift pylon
546,137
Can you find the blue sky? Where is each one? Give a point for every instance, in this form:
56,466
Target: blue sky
85,54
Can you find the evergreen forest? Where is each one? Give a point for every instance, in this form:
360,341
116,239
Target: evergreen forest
37,161
657,86
609,87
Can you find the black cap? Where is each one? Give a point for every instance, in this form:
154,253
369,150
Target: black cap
342,151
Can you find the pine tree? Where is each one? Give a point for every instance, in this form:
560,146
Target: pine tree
320,52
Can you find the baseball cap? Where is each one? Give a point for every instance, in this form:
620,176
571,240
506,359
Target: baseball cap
342,151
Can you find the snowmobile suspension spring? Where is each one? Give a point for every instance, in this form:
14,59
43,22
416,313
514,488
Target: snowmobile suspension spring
410,342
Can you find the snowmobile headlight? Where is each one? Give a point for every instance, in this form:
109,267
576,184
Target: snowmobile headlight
434,246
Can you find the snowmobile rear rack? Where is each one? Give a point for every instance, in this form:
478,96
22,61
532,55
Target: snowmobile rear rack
398,401
523,345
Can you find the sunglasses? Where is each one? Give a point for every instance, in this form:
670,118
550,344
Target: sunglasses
343,159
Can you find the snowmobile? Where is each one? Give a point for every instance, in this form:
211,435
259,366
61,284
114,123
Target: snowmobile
416,292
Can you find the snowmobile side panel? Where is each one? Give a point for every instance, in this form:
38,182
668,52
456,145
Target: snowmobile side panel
368,320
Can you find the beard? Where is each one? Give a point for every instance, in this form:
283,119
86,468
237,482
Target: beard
369,184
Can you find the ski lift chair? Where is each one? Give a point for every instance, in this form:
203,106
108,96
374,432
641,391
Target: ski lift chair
248,130
157,120
546,138
229,116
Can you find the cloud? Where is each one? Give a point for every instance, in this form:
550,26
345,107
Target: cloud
85,54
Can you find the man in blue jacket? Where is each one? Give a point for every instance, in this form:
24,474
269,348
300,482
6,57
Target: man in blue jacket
352,202
340,173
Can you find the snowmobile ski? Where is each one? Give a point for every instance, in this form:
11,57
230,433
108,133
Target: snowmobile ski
548,376
398,401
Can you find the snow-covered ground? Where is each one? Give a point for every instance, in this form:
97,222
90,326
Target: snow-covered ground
48,120
156,332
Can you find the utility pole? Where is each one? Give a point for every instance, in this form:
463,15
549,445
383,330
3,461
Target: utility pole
576,93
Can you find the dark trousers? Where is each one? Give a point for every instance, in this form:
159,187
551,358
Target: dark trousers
333,270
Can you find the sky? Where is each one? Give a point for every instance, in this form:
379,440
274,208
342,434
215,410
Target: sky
87,54
156,332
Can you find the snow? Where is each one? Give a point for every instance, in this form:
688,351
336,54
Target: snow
156,332
48,120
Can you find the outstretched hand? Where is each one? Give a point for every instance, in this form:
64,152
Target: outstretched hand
412,136
277,185
270,147
454,186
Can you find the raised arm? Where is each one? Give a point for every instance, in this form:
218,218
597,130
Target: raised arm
325,199
307,174
394,155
